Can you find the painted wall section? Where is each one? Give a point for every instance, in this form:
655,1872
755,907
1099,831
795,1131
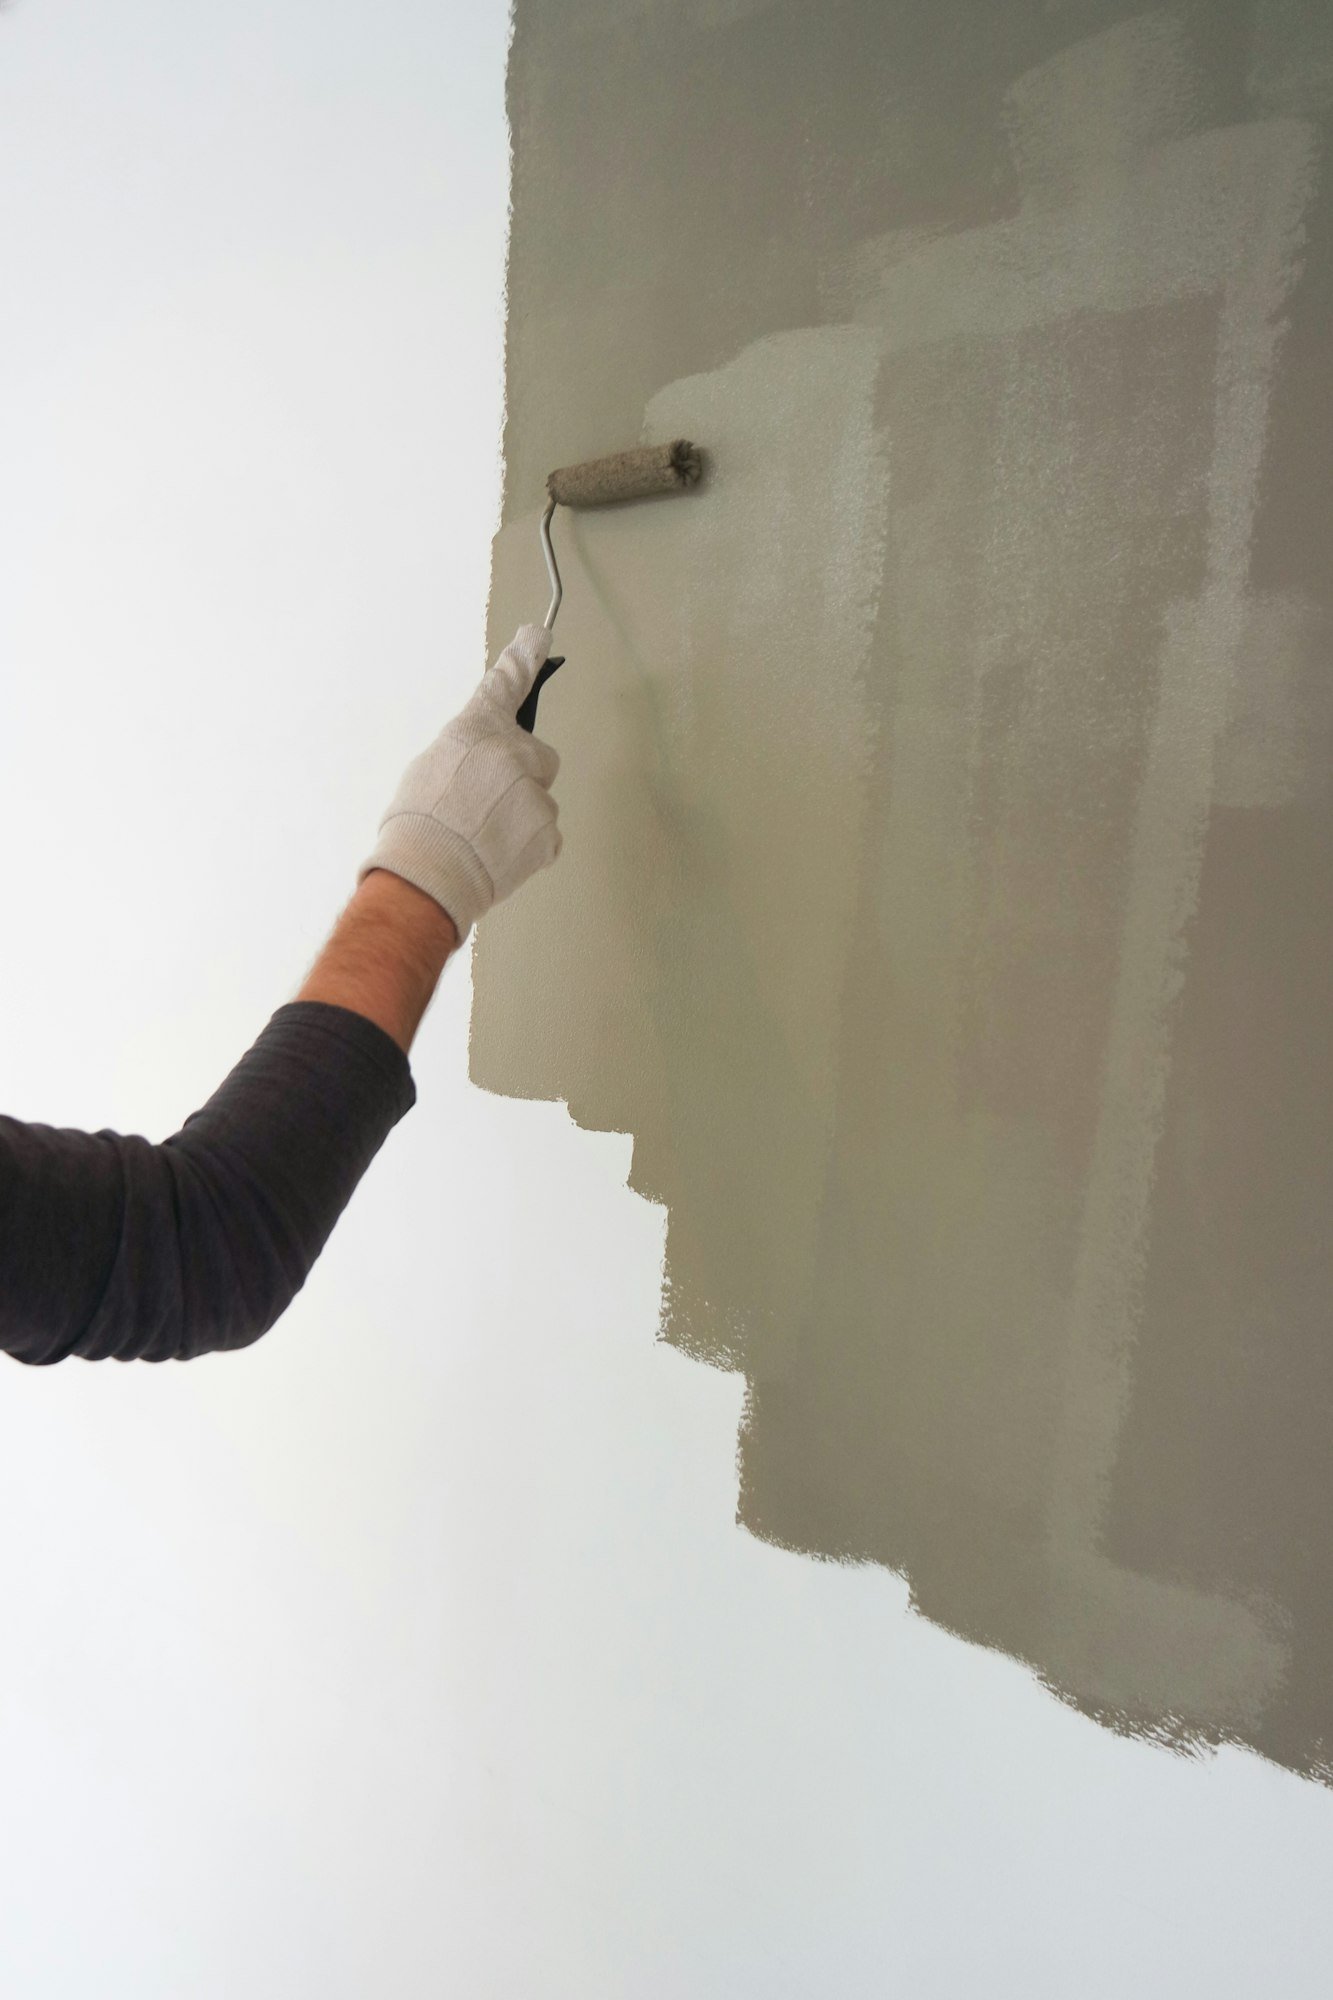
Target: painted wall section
945,899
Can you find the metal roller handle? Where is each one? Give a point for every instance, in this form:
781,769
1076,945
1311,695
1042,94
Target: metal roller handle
557,591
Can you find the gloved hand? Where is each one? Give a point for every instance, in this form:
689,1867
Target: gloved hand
473,816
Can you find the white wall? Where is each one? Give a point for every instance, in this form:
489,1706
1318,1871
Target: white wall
413,1651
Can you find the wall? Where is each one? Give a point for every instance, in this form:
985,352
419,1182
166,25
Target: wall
415,1650
947,789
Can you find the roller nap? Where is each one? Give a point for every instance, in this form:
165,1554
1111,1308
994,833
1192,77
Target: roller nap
627,475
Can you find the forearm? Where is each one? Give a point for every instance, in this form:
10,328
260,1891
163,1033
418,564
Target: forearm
385,956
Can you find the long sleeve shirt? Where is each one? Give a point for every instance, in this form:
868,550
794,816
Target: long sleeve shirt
113,1248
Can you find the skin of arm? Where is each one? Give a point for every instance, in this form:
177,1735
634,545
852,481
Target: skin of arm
385,956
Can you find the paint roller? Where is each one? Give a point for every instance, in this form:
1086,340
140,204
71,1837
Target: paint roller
646,472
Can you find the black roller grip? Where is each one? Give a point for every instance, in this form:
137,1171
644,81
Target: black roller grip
526,718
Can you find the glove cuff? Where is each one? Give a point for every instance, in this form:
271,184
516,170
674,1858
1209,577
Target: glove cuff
436,860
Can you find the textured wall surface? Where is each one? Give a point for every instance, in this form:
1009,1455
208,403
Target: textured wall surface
945,903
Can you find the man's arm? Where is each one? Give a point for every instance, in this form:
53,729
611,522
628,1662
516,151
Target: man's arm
114,1248
385,956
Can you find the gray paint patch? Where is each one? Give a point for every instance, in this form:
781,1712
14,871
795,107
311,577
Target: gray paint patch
945,809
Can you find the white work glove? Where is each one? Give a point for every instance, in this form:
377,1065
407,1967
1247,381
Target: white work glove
473,816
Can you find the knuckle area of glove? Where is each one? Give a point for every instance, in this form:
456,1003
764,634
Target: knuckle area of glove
479,785
523,815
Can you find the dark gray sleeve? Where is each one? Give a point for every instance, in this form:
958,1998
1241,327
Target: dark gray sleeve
114,1248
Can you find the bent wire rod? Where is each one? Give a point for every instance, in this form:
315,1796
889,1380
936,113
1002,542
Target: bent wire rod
556,591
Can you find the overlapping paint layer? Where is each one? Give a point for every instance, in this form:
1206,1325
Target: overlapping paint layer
945,903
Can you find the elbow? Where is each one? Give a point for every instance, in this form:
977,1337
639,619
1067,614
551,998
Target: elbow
214,1278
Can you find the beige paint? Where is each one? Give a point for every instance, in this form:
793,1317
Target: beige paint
944,906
